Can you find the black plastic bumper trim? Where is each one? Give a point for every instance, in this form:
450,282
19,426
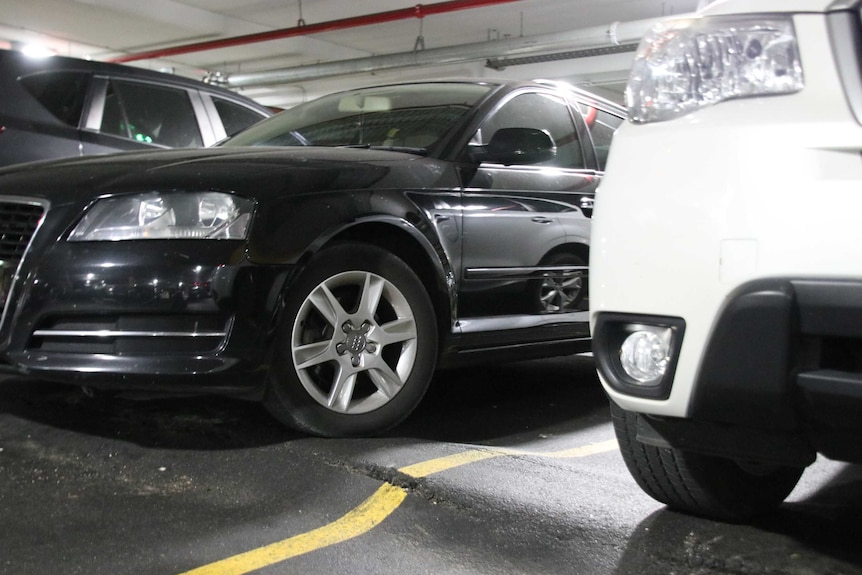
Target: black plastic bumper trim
745,371
764,365
609,332
786,448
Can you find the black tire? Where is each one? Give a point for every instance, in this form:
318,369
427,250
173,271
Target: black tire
556,296
346,366
699,484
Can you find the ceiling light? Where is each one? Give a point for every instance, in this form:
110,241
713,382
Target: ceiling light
37,51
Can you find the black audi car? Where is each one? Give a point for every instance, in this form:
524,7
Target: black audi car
325,261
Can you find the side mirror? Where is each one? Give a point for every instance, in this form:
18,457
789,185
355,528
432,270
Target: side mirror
514,146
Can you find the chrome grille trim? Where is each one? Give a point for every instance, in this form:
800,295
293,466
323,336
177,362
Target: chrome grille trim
22,250
18,223
120,333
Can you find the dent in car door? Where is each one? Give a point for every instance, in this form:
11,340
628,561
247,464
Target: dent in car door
516,217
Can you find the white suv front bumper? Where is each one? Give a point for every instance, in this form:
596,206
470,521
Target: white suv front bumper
693,208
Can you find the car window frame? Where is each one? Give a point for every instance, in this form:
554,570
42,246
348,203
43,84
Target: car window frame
216,124
94,108
510,103
462,154
602,108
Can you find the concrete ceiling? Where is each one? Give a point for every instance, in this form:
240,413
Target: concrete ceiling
111,29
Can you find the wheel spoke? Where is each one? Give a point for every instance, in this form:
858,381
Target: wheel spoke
342,390
386,380
572,283
550,301
329,307
401,329
305,356
372,291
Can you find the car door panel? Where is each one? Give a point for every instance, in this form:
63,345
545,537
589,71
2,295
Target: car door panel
515,217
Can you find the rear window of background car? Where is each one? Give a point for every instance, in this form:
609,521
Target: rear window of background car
61,93
150,114
235,117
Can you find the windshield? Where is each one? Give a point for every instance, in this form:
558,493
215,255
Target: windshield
403,116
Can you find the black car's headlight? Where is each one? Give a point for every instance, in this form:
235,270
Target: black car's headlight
172,215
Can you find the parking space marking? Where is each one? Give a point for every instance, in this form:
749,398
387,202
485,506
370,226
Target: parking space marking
426,468
573,452
373,510
361,519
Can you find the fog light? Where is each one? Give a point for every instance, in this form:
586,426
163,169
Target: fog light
645,354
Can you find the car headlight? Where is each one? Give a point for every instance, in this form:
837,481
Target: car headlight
173,215
684,65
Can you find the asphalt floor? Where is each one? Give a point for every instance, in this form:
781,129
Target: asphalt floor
511,469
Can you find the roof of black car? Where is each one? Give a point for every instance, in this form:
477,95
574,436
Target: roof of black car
23,64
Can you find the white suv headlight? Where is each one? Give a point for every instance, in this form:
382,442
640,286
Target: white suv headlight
684,65
174,215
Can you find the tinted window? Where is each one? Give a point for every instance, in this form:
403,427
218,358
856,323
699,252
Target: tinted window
61,93
415,115
602,126
540,111
150,114
234,117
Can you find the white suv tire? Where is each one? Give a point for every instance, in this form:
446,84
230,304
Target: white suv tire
702,484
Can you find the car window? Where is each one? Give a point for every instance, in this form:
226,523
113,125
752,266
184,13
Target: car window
61,93
412,126
235,117
542,111
602,126
409,116
150,114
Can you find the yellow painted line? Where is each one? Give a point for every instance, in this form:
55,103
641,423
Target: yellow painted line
582,451
363,518
426,468
372,511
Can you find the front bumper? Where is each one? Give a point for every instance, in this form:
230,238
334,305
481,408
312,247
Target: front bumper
158,315
780,377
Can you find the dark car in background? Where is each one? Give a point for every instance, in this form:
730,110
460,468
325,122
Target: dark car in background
326,260
59,107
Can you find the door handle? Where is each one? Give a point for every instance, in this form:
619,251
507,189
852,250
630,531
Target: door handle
541,220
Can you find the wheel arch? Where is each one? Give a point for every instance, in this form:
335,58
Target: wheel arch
405,241
579,249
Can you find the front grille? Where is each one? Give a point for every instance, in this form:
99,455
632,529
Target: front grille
18,223
19,220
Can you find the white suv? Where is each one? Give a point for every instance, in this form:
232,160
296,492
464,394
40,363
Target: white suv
726,273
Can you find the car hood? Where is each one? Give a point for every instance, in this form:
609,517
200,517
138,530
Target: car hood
242,170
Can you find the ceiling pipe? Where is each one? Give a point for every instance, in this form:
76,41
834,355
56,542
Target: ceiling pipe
417,11
620,36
